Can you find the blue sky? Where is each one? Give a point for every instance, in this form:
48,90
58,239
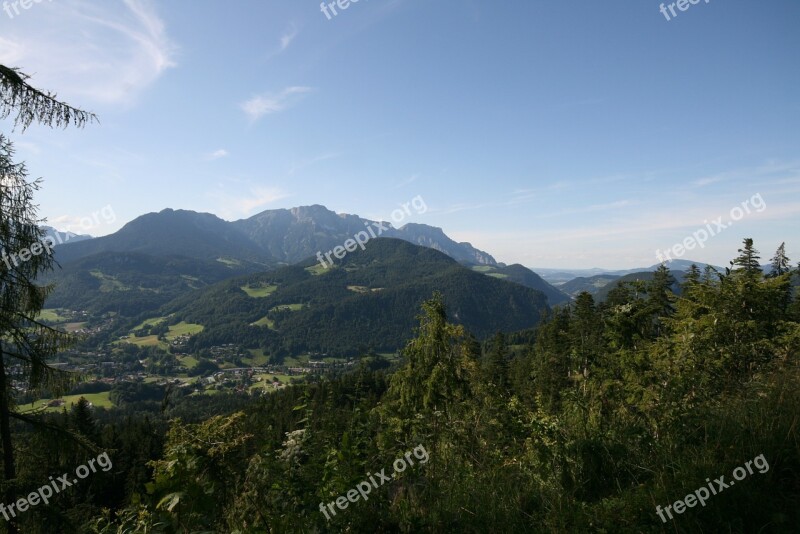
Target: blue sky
552,134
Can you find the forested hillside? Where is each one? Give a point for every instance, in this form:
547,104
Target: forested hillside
131,283
614,410
368,301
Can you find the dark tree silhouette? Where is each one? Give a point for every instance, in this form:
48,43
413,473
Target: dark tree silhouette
25,343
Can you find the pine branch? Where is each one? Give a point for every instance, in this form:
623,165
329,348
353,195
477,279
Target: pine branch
32,105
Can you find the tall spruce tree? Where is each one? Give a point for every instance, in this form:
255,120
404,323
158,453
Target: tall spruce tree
25,342
780,263
747,261
586,330
660,298
497,363
692,277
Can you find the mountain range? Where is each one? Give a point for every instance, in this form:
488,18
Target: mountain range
258,282
272,237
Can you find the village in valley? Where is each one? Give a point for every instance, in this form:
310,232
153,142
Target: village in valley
162,360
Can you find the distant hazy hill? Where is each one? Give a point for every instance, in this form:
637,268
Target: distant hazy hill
602,293
60,238
591,284
683,265
524,276
368,300
599,286
558,277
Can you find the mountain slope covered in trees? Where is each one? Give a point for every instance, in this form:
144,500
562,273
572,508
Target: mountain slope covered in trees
366,301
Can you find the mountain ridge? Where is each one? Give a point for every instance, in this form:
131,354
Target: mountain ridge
272,237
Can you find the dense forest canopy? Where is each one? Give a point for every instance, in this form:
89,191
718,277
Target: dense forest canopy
610,411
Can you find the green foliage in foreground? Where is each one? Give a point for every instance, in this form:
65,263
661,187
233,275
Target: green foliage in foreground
612,410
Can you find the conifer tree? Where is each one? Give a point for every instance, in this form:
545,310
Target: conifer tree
25,342
28,104
497,365
83,421
551,364
747,261
660,297
780,263
438,373
692,277
586,332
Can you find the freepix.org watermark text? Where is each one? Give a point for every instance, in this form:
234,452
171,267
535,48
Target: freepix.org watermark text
702,494
682,5
47,243
715,227
364,487
54,487
24,4
362,238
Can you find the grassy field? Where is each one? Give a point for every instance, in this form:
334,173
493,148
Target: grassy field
72,327
52,315
257,358
229,262
259,290
183,328
108,283
358,289
317,269
146,341
291,361
190,362
150,322
487,270
100,400
265,321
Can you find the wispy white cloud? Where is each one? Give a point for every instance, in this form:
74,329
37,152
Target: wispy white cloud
520,196
588,209
31,148
770,169
455,208
259,197
408,181
298,166
123,49
269,103
288,37
217,154
702,182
